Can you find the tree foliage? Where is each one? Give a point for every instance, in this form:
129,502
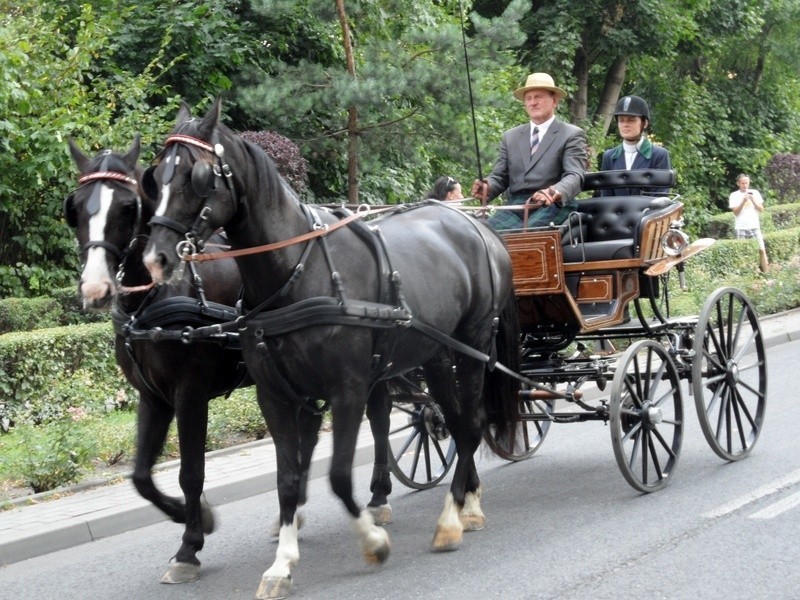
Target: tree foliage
720,77
52,90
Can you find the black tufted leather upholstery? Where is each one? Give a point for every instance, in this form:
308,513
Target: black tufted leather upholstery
610,227
640,178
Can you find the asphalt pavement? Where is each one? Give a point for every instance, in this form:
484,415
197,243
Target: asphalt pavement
44,523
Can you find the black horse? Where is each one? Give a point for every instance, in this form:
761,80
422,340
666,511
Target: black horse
334,309
110,217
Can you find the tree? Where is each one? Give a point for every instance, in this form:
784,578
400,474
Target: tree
52,91
406,88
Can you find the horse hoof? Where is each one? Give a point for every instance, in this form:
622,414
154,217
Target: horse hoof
382,514
473,522
379,554
181,573
207,519
446,539
272,588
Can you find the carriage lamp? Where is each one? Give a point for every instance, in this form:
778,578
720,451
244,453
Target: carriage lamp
674,242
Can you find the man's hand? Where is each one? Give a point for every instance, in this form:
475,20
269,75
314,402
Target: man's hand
480,189
547,196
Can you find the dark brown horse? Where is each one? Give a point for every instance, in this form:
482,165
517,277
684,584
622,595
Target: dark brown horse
333,315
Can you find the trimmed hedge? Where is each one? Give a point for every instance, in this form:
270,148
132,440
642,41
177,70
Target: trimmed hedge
63,307
774,218
45,372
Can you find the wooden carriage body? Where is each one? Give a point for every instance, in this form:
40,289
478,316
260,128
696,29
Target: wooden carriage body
579,277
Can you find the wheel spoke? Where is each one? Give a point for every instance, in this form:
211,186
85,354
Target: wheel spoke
663,442
654,454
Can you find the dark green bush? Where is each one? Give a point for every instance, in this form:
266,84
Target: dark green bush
25,314
55,455
785,216
782,246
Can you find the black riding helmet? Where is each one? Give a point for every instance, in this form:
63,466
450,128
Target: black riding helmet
633,106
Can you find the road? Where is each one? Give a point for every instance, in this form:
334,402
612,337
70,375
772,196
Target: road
563,525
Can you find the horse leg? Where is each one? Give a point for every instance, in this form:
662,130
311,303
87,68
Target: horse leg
282,420
192,416
309,424
347,414
464,415
152,424
379,407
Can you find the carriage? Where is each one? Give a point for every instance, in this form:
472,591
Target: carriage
604,278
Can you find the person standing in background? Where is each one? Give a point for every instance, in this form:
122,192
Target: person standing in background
747,204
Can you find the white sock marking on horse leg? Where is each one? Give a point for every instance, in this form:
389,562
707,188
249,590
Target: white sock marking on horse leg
374,540
449,517
472,516
288,553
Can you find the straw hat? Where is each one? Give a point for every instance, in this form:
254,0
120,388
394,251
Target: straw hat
539,81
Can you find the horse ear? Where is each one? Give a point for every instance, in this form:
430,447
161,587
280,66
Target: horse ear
70,213
132,157
148,184
184,113
81,160
211,119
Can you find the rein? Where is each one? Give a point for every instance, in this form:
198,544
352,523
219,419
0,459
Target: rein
315,233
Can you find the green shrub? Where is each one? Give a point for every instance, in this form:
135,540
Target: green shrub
719,227
774,218
43,372
55,455
238,414
782,246
785,216
25,314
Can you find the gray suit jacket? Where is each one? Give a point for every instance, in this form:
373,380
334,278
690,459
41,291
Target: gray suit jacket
560,161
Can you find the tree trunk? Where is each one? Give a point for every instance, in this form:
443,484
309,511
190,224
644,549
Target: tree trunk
580,100
352,111
615,77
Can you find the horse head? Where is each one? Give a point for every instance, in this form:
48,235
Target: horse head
109,217
195,188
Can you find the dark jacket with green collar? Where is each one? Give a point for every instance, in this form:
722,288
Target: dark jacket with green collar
649,156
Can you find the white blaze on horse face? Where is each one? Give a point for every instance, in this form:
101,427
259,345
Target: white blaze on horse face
165,190
149,258
96,280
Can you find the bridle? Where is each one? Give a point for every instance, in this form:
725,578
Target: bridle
93,203
204,182
93,206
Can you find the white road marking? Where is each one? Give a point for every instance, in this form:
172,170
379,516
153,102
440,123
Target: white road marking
758,493
780,507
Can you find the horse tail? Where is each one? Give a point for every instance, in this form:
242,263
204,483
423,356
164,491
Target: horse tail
500,390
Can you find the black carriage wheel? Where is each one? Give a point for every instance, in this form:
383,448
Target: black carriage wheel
646,415
522,441
428,451
729,373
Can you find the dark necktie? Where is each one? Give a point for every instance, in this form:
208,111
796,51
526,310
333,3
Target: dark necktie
535,140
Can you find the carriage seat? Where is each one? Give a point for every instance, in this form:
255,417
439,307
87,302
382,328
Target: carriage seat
609,226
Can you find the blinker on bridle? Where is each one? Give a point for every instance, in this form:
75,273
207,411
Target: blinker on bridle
203,180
